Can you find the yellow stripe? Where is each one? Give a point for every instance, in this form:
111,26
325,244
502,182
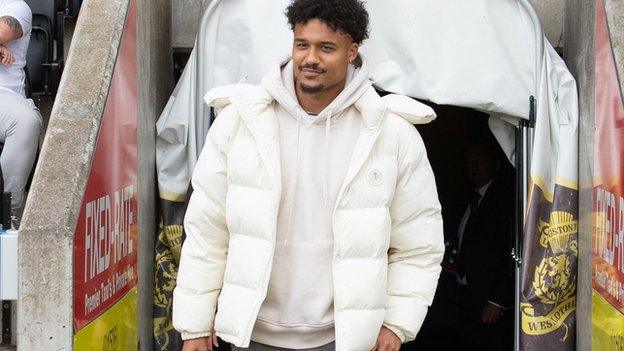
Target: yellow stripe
539,182
171,196
568,183
607,324
116,329
529,198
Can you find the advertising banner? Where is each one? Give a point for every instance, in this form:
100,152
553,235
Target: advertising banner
105,244
608,197
113,330
549,275
550,248
168,249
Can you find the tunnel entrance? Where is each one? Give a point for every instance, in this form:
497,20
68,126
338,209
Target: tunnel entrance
448,139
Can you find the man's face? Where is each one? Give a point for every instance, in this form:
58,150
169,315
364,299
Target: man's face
321,56
481,167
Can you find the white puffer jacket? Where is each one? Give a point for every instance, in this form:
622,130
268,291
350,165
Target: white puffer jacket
387,223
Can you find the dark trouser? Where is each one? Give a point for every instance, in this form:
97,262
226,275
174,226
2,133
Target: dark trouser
476,335
254,346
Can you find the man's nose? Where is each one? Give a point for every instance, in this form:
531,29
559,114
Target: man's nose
312,57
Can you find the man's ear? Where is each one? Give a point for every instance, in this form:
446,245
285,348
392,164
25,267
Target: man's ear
353,51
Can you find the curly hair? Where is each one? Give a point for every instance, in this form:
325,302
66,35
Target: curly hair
348,16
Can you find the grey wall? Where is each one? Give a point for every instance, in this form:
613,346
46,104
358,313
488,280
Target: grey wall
155,84
185,21
47,228
579,53
551,14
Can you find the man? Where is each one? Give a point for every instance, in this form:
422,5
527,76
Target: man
314,223
484,272
20,122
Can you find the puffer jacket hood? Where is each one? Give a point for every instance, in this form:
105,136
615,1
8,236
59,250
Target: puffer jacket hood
277,85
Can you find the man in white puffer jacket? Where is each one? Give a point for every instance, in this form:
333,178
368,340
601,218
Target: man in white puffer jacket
314,223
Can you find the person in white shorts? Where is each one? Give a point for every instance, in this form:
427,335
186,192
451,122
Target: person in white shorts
20,121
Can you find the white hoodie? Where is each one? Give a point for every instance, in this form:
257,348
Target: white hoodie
298,312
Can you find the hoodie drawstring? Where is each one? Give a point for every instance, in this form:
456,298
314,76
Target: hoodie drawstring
327,136
293,177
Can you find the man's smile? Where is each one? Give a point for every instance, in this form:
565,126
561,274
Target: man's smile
311,72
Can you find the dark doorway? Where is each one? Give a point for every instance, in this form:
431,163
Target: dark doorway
447,139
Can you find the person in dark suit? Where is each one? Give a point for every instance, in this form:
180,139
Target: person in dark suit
484,268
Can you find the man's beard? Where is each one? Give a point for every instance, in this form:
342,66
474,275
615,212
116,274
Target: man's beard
311,90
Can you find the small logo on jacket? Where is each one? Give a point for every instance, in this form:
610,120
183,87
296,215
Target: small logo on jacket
375,177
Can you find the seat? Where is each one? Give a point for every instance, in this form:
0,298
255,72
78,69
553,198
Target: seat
39,53
44,62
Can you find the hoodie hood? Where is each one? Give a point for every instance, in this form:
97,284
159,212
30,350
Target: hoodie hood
280,84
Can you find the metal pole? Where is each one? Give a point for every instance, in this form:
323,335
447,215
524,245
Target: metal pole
539,56
519,227
524,148
523,164
518,232
202,112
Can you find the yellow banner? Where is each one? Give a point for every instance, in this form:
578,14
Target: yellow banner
540,325
115,330
607,325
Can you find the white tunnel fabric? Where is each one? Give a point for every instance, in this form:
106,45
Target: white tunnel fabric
504,130
176,154
464,53
483,49
555,149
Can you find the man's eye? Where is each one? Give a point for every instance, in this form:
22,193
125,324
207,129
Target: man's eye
327,48
302,46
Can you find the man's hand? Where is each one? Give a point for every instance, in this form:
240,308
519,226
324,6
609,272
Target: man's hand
201,344
491,313
6,56
387,341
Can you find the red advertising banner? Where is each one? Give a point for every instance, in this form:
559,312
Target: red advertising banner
608,197
105,241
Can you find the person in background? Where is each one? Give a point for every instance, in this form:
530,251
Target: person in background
314,222
484,270
20,121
